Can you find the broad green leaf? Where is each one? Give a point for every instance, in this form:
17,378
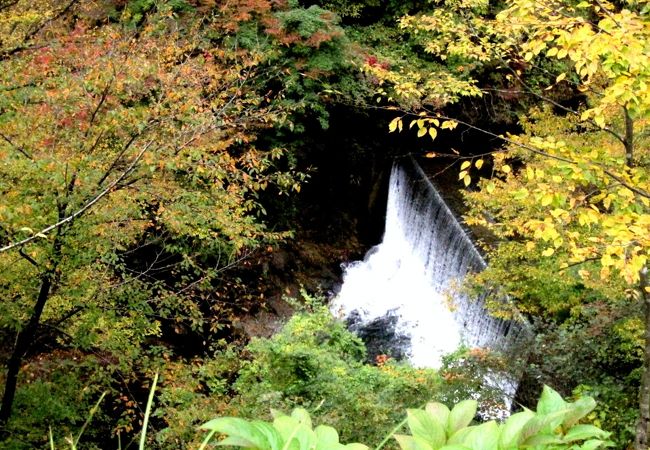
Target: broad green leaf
356,446
412,442
578,409
439,412
240,432
542,440
326,434
550,401
541,424
582,432
461,415
593,444
272,435
302,416
455,447
424,426
287,427
459,436
513,427
483,437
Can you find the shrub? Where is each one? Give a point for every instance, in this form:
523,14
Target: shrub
316,364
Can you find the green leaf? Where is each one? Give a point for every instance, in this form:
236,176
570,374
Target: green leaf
356,446
424,426
483,437
543,423
582,432
578,409
455,447
542,440
240,432
302,416
459,436
326,434
513,427
412,442
439,412
550,401
461,415
271,434
593,444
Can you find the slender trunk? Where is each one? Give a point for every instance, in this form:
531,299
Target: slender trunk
27,334
641,439
628,141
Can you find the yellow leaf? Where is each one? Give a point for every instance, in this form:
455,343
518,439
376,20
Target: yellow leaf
562,53
467,180
448,125
479,163
552,51
422,131
392,126
560,77
530,246
548,252
433,132
430,155
465,165
506,168
547,199
490,187
462,174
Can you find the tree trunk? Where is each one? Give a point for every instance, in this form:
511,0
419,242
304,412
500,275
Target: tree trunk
641,439
27,335
628,141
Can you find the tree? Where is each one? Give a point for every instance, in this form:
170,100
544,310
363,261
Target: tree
575,185
130,173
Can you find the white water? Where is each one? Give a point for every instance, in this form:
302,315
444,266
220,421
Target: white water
423,255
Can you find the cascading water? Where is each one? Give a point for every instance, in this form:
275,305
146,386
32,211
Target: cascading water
410,277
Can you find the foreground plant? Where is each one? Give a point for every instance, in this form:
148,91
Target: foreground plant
555,425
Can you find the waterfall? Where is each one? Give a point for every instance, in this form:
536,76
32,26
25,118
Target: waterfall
410,277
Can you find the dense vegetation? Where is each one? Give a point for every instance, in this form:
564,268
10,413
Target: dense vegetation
163,177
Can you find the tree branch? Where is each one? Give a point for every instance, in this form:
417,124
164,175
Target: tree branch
81,210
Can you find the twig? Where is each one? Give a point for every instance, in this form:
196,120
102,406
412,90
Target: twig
83,209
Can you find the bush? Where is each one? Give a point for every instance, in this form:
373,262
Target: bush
315,363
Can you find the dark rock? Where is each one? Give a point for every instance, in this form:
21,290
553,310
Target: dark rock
380,336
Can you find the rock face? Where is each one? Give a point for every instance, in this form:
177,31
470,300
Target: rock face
380,335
